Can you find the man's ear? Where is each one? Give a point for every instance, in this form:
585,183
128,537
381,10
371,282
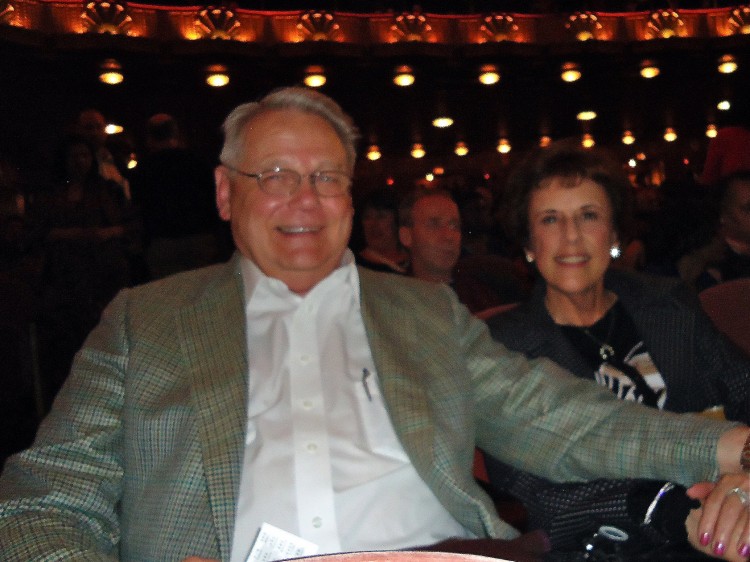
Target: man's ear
223,192
404,235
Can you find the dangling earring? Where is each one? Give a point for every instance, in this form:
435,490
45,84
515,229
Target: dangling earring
615,251
529,257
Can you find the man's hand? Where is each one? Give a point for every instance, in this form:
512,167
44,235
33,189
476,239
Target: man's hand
529,547
721,526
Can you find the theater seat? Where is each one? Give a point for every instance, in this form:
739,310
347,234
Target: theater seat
728,306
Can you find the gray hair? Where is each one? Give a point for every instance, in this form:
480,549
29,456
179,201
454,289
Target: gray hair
297,98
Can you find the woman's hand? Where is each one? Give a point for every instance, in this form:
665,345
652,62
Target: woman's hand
721,526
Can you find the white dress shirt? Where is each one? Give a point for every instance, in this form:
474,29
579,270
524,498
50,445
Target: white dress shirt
322,459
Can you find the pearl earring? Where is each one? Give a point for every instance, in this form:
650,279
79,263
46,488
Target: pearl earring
615,251
529,257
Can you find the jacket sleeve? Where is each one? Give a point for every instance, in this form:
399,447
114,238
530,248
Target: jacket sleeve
59,499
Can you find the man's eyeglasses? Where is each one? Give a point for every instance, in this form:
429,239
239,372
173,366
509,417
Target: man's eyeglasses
281,182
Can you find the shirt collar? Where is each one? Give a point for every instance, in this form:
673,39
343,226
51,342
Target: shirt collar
252,276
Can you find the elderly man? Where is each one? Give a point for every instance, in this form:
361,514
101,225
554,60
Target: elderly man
288,387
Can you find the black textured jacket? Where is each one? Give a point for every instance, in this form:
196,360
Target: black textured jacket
700,368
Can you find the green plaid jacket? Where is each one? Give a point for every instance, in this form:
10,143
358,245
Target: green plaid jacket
139,459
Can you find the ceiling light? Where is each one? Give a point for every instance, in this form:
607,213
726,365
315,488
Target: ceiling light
640,156
373,152
727,64
571,72
711,131
670,135
488,75
628,138
723,105
461,149
113,128
588,140
649,69
429,176
632,163
417,150
404,76
438,171
503,146
442,122
111,72
132,161
314,76
216,76
545,141
586,115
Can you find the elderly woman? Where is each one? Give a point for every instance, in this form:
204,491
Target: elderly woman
645,339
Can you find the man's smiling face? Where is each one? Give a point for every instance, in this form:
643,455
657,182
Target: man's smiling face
298,238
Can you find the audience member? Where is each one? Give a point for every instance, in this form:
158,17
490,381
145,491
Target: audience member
173,188
92,236
92,125
379,220
341,404
645,339
430,229
729,151
734,232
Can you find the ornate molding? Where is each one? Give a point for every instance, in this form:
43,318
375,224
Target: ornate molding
103,16
499,27
217,22
411,27
315,25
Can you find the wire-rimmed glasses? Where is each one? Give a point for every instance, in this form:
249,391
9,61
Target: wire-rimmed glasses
281,182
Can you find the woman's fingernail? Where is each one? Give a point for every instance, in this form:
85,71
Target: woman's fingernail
719,548
745,550
705,539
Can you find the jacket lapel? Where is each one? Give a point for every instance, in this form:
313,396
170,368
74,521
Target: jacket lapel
405,399
212,331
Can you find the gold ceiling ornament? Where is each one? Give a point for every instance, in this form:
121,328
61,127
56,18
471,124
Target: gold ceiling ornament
411,26
217,22
103,16
499,27
584,26
663,24
317,25
739,20
6,10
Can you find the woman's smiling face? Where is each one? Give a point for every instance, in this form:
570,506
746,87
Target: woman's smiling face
570,234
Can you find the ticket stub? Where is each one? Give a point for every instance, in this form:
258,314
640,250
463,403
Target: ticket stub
273,543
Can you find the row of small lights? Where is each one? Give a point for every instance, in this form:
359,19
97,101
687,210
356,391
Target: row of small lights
489,74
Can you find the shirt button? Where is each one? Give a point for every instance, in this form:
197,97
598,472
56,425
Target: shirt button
312,448
307,404
317,522
304,359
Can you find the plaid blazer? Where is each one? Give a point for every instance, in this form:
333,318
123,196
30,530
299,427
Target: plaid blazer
140,458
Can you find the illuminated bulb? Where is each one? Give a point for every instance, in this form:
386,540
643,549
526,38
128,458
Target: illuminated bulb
711,131
570,72
727,64
670,135
404,76
429,177
314,76
649,69
503,146
132,161
417,150
113,129
545,141
489,75
640,156
588,140
723,105
373,153
111,72
217,76
461,149
442,122
628,138
586,115
632,163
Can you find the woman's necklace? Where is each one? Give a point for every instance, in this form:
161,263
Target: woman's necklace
606,351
